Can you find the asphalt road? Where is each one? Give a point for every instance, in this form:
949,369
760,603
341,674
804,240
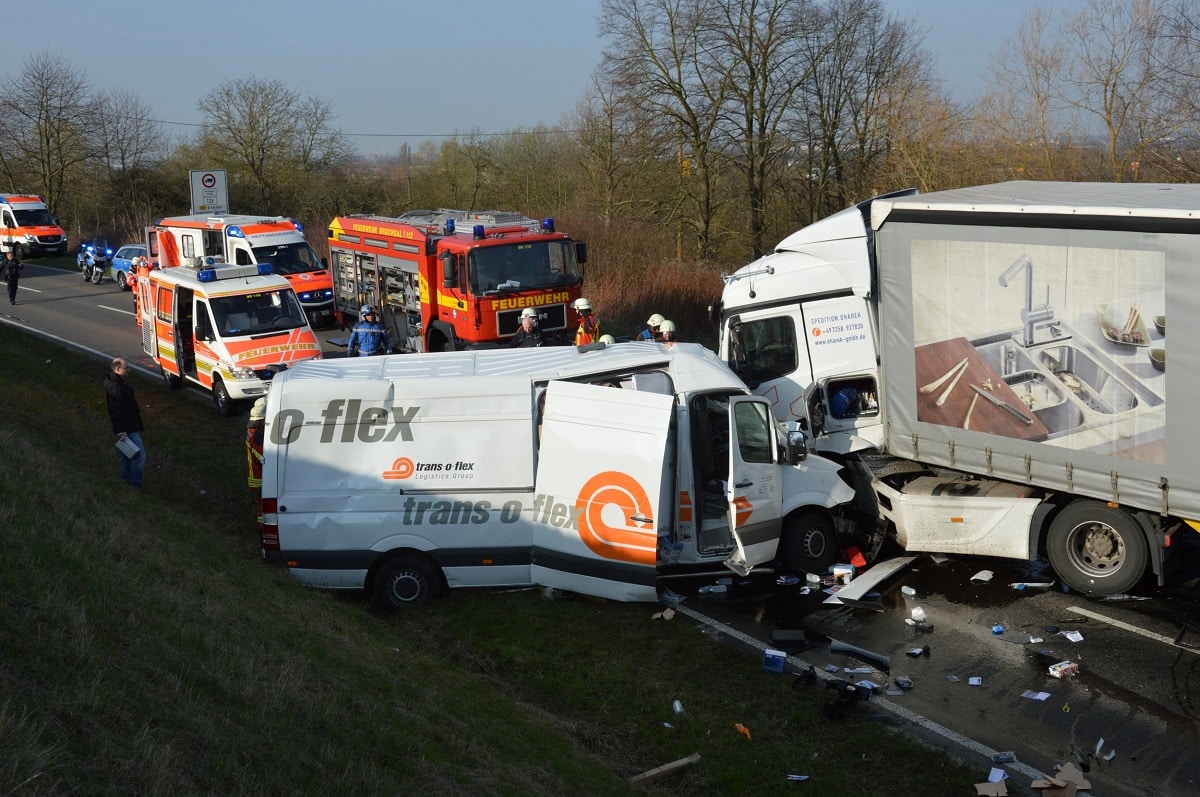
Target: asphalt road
1138,686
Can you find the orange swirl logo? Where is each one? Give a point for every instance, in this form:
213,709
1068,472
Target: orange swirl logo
402,468
630,542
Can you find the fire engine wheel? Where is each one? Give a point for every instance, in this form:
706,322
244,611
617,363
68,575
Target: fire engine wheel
406,580
172,382
809,542
225,403
1096,549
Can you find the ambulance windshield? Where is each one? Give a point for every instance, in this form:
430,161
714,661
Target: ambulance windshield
522,266
285,259
257,313
39,217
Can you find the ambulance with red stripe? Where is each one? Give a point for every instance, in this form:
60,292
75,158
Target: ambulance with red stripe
247,240
227,328
601,470
28,228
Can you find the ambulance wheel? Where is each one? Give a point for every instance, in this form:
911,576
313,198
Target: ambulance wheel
172,382
225,403
1096,549
406,580
809,542
19,251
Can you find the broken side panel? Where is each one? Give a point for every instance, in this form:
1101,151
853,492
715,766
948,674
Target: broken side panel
598,496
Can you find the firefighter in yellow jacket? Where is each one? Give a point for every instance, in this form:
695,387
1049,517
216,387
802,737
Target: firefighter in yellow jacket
254,453
589,325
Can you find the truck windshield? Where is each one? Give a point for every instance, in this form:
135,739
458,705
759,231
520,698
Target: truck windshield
522,266
763,350
256,313
39,217
285,259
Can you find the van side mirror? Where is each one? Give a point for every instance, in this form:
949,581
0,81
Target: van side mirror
797,446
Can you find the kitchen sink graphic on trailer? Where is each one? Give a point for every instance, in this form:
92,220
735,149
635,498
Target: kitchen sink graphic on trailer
981,361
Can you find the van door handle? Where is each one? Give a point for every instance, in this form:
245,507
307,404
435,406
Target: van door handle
746,483
640,518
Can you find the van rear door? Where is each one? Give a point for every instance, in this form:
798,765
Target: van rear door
598,500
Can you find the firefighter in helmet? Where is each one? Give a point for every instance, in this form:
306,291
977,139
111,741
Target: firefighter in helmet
589,324
653,323
254,453
530,334
369,337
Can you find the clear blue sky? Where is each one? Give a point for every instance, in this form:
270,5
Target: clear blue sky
395,67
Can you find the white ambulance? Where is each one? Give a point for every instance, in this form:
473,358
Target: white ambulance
225,327
596,470
28,229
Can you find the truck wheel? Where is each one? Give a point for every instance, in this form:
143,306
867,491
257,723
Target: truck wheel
172,382
405,581
1096,549
809,542
225,403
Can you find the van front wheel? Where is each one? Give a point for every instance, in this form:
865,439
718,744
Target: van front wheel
405,581
809,542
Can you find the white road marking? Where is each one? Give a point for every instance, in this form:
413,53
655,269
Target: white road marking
31,290
888,705
1133,629
116,309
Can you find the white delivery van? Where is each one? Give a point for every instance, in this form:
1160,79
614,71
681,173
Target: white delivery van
596,470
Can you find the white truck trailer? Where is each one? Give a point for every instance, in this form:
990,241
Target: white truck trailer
990,364
596,469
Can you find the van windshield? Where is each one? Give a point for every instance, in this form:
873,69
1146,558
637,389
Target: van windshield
285,259
39,217
522,266
256,313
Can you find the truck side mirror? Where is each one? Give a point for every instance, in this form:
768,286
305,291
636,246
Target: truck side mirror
449,270
581,252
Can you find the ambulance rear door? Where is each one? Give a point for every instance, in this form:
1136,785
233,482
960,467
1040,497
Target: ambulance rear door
598,499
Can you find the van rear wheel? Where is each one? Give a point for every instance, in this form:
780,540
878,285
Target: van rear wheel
405,581
809,542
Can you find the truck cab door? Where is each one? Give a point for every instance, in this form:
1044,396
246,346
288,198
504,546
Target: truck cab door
755,492
598,500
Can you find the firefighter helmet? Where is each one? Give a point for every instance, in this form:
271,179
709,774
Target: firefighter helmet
666,326
655,320
607,339
259,411
528,312
365,311
582,304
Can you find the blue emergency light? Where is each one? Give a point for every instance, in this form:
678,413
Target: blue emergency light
234,231
207,275
547,225
298,227
449,226
478,232
265,268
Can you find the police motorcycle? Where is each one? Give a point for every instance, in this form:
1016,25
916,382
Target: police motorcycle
94,259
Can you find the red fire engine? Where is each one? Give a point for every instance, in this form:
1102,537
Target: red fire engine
452,279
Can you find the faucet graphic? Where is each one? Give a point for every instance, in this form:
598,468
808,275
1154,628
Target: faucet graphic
1033,318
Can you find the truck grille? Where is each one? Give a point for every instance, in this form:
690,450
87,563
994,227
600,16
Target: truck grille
550,317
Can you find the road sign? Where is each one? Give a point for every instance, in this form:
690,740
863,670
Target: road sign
210,193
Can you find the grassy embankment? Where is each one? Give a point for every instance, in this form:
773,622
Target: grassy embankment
145,650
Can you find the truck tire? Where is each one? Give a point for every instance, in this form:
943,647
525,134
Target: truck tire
1096,549
225,403
809,542
404,581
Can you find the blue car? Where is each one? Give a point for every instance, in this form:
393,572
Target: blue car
122,263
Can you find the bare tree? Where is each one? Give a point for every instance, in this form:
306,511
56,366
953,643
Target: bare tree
273,139
656,63
44,113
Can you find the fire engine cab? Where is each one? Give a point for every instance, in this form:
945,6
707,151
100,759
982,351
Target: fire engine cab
225,327
247,240
456,279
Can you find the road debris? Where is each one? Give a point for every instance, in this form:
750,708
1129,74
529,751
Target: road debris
666,769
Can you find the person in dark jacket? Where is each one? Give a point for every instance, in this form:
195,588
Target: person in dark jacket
530,334
126,421
12,274
369,337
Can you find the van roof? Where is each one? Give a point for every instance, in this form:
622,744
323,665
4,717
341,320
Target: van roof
691,366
